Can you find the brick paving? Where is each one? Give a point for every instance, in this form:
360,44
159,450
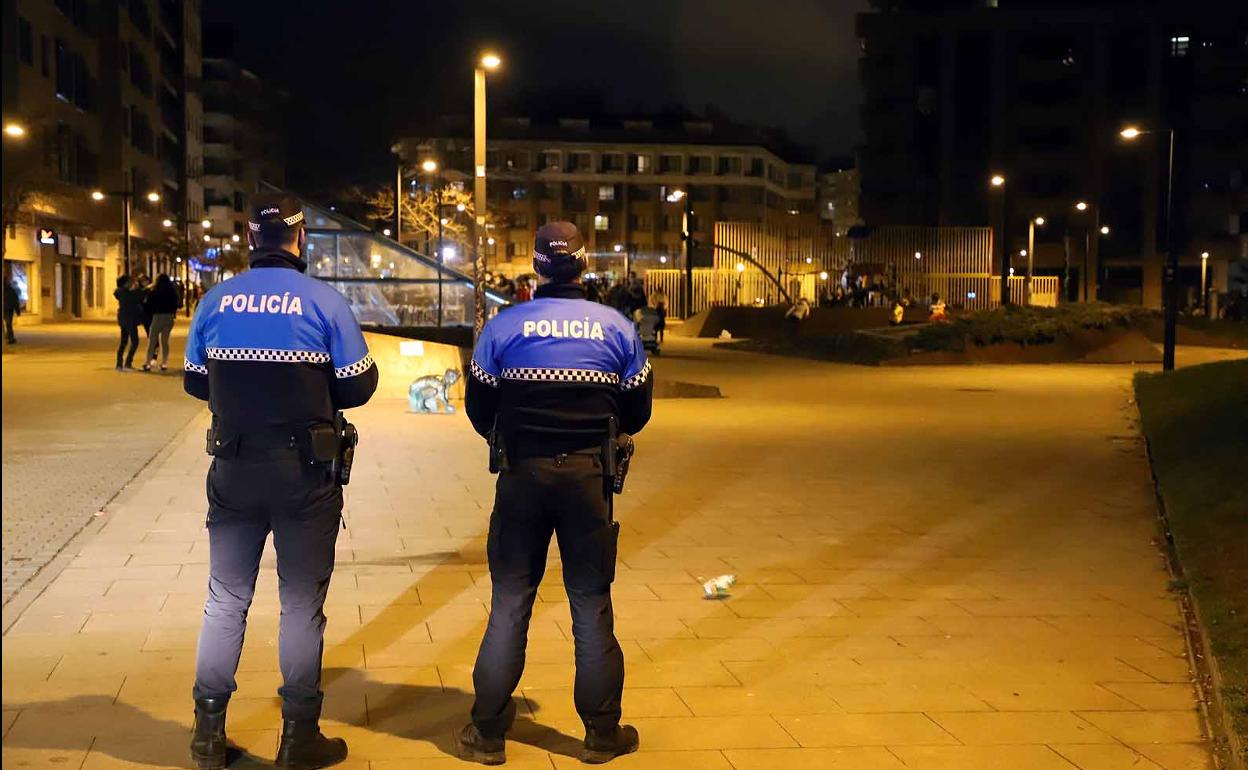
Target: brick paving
65,408
939,569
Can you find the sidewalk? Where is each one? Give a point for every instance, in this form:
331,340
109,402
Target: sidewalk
67,411
945,569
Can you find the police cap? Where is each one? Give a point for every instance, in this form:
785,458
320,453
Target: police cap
559,251
273,212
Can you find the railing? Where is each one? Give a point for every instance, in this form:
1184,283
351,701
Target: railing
713,287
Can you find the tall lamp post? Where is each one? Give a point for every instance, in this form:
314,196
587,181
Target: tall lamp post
1032,224
686,232
1204,282
997,182
1169,287
126,196
488,62
430,167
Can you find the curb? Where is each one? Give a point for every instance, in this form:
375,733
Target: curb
1228,749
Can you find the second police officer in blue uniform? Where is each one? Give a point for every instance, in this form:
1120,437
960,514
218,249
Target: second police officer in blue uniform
553,382
277,355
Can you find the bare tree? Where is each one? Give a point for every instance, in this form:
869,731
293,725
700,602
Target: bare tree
422,210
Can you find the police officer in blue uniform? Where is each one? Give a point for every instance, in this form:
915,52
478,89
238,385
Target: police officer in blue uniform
277,355
552,380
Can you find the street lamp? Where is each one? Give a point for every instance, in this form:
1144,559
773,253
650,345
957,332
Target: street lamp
1104,229
14,130
235,238
1204,282
166,223
1169,287
997,182
126,196
430,167
489,61
1031,255
1090,246
686,230
206,224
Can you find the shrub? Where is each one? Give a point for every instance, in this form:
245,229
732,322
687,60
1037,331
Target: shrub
1028,325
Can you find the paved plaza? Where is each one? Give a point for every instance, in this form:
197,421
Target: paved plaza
66,411
939,569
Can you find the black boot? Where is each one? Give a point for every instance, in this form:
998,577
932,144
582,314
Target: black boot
305,748
475,747
208,744
604,747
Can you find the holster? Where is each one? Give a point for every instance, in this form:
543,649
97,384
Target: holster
498,451
617,453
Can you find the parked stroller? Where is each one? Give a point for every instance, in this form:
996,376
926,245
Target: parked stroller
647,320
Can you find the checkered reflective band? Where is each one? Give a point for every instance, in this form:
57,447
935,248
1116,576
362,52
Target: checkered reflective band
638,379
268,354
190,367
482,375
290,221
359,367
534,374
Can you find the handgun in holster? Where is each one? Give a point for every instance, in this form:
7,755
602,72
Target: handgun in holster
617,453
498,451
334,443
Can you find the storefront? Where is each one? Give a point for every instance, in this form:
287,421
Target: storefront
59,276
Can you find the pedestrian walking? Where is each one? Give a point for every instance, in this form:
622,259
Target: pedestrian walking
277,355
129,316
556,385
659,298
161,304
12,307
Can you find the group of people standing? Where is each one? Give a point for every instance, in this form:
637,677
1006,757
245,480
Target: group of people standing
152,306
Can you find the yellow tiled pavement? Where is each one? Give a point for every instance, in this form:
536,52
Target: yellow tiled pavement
940,569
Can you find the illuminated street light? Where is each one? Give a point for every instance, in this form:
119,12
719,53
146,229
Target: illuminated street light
1022,253
809,260
675,196
429,166
997,180
1204,255
918,255
234,238
97,195
448,252
207,237
490,240
617,248
1130,132
823,275
491,61
663,259
740,267
1104,229
1081,206
460,207
443,220
166,223
206,224
1040,221
14,130
153,196
226,247
386,232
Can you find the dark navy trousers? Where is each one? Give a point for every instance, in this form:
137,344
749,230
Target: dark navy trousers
537,497
249,497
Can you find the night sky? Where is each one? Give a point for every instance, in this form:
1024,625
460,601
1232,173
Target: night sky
361,73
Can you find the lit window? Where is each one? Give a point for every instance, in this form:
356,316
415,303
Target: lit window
602,222
643,164
1179,45
606,192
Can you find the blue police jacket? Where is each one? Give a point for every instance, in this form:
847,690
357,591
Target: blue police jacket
551,372
273,346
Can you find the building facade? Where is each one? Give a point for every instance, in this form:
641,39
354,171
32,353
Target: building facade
614,180
1036,92
100,106
242,146
839,195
